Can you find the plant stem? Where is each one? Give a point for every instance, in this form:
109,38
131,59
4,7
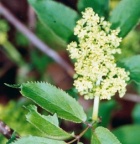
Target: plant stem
6,130
95,108
80,135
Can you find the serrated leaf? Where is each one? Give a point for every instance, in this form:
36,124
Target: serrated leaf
129,134
13,85
36,140
126,15
52,119
46,124
60,18
99,6
54,100
104,136
132,65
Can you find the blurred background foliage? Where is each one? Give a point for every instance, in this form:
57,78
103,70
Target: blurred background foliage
20,61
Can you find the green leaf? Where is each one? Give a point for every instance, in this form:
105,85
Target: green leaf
40,62
136,114
54,100
13,115
104,136
129,134
125,16
94,139
99,6
132,65
105,110
37,140
4,27
46,34
46,124
13,54
3,140
13,85
58,17
21,40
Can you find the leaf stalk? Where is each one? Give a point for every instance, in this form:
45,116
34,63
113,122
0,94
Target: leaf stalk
95,108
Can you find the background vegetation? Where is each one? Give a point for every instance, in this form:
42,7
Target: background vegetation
36,51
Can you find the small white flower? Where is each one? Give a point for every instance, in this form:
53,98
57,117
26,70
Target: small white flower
96,70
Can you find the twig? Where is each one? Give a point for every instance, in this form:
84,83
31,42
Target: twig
31,18
31,22
132,97
6,130
35,40
80,135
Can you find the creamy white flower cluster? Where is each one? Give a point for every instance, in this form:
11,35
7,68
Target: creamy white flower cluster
96,70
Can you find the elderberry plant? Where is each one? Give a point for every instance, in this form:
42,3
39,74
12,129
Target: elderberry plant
98,76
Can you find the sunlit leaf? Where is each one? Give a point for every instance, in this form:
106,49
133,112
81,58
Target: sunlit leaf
94,139
36,140
46,124
104,136
54,100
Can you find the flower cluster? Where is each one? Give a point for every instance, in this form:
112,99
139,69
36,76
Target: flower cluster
96,70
